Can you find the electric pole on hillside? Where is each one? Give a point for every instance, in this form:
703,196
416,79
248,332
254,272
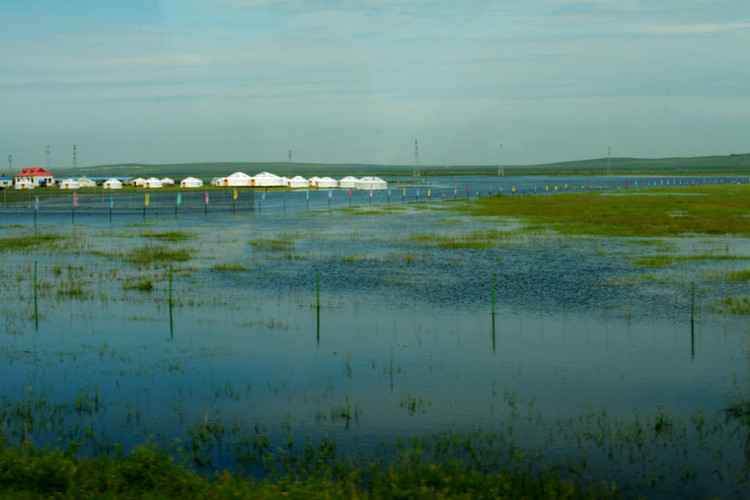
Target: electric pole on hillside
10,163
416,158
75,159
609,160
500,169
47,151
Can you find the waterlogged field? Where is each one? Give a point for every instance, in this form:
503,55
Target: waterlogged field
489,335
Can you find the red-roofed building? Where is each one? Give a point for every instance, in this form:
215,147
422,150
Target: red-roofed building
37,176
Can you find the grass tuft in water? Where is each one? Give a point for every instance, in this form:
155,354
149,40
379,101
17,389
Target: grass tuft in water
151,254
143,285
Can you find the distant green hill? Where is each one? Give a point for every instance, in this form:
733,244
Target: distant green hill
731,164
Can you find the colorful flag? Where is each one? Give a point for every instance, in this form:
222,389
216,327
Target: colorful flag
404,193
330,193
350,192
428,193
307,194
111,201
206,197
234,193
145,202
36,203
75,199
263,196
179,199
370,192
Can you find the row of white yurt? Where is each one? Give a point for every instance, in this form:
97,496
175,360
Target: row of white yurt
69,184
371,183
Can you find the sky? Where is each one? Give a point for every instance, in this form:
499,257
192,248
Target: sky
475,82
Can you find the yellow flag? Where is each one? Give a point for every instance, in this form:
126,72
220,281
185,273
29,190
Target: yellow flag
146,202
235,193
428,193
404,190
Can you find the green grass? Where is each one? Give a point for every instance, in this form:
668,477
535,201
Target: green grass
224,268
663,260
714,211
17,243
733,305
151,473
143,285
168,235
150,254
272,244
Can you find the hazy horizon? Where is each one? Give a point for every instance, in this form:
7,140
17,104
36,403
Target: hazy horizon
189,81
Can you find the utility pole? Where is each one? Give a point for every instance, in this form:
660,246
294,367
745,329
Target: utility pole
500,169
416,158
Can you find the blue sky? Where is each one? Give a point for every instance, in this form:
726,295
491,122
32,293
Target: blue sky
357,81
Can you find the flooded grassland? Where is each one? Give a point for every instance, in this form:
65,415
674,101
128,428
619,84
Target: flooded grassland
604,332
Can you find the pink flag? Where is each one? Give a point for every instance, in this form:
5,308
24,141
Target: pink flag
206,198
350,192
75,199
370,192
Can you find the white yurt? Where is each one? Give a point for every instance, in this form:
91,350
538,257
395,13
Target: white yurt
191,182
313,181
237,179
153,183
327,182
297,182
138,181
266,179
85,182
167,182
218,181
112,184
348,182
371,183
69,184
24,184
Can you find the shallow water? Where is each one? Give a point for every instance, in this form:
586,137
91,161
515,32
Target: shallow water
404,341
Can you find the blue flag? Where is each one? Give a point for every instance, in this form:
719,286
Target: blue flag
330,193
179,198
307,195
36,204
263,197
111,202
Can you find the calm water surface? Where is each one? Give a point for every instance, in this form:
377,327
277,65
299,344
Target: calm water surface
404,341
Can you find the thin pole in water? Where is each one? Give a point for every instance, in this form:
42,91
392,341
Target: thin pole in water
317,287
36,310
171,324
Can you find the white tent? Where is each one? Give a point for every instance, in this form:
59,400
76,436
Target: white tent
237,179
112,184
326,182
348,182
371,183
24,184
191,182
313,181
167,182
218,181
266,179
298,182
85,182
69,184
138,181
153,183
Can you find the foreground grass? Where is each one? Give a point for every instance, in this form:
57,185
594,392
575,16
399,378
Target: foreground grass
702,210
147,472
